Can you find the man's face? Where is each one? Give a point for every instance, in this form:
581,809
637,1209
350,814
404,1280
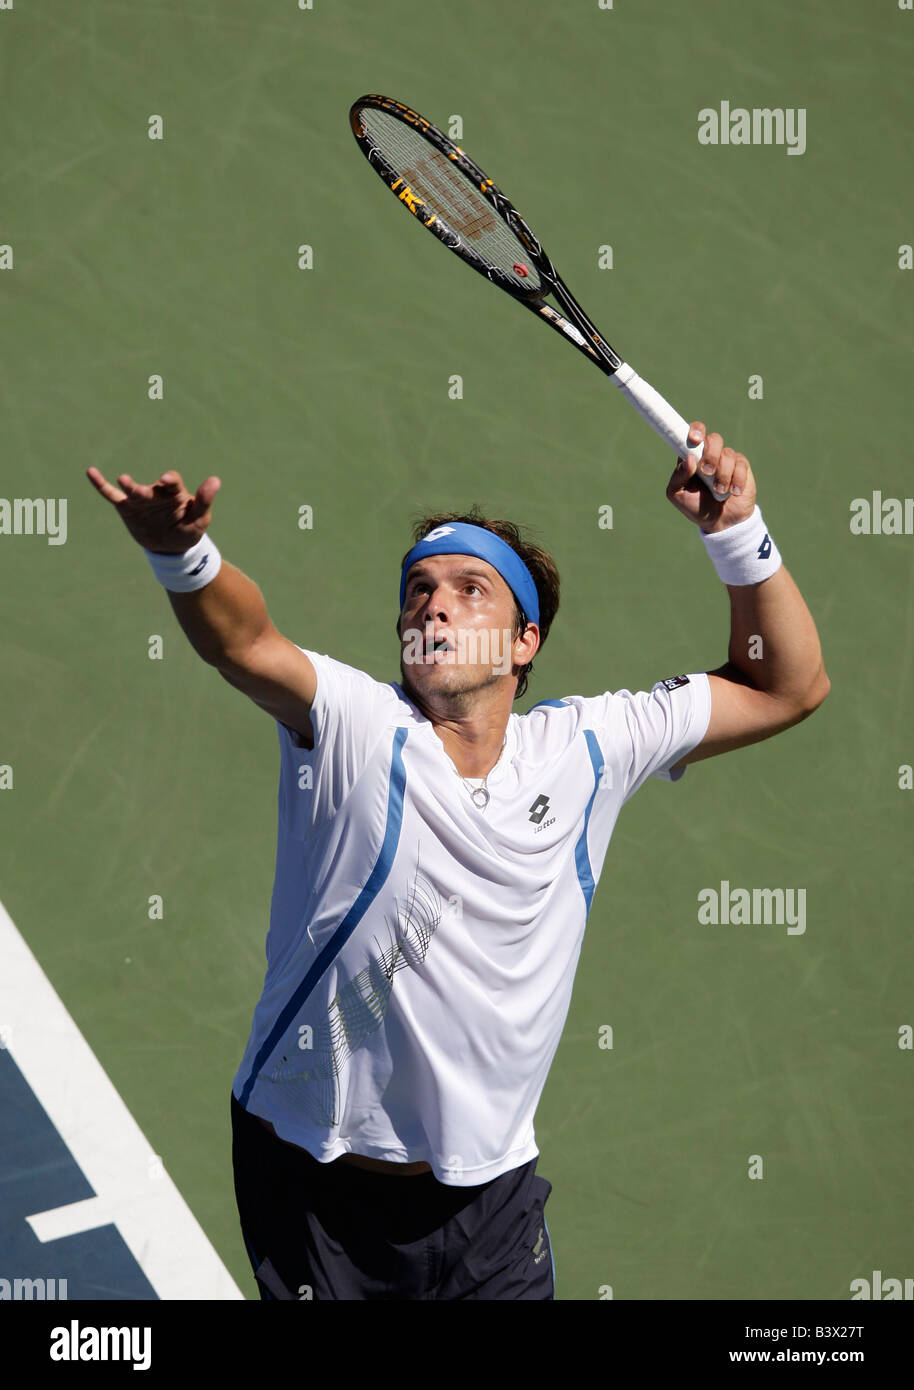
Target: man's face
456,626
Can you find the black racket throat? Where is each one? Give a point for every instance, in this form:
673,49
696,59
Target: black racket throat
458,203
576,328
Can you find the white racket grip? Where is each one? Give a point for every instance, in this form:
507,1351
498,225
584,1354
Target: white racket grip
661,416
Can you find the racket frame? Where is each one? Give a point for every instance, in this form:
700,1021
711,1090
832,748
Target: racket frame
572,322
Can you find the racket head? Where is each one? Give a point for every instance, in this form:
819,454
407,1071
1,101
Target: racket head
450,195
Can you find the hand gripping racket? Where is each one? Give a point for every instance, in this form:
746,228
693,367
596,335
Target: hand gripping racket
451,196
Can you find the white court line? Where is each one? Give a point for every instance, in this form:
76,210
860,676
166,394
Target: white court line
70,1220
132,1189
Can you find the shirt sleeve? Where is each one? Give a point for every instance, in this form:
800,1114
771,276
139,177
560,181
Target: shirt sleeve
349,715
645,734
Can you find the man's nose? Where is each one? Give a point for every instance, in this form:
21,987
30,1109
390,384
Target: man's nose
435,607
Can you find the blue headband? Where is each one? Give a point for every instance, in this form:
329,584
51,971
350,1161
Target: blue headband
460,538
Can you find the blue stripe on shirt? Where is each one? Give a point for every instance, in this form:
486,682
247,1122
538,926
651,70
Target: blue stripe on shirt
376,879
581,857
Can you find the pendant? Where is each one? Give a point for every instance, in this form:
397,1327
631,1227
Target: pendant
480,797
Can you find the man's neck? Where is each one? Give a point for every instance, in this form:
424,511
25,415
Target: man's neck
473,738
474,749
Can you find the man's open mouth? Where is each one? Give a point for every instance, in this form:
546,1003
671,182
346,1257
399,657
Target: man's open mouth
436,645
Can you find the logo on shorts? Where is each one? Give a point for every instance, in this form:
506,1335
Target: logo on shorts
539,1254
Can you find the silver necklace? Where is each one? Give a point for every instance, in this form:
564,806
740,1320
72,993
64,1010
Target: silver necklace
480,795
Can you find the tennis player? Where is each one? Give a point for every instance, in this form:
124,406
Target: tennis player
436,861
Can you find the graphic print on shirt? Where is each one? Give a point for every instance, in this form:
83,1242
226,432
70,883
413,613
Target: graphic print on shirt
358,1009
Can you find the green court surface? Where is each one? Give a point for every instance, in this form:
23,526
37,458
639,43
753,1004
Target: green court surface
329,388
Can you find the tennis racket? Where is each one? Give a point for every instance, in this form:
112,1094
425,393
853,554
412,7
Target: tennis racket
460,205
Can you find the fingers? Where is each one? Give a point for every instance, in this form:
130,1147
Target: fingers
681,478
136,491
711,455
198,506
730,472
169,488
696,433
687,467
718,461
101,484
131,497
695,436
740,475
169,484
727,471
206,492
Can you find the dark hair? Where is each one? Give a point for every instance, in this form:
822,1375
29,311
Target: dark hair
538,561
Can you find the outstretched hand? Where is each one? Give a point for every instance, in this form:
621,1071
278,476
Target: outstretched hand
728,470
164,518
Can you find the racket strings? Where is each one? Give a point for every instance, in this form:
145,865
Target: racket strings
450,194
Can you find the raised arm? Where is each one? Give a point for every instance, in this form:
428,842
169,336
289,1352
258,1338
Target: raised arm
774,676
225,620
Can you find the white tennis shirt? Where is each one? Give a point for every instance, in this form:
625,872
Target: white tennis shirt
421,951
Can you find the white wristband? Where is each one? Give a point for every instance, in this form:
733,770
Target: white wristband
191,570
744,553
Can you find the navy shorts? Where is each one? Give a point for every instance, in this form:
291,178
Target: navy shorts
330,1230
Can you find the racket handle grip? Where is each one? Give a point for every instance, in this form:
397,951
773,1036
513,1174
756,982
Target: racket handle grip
661,416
